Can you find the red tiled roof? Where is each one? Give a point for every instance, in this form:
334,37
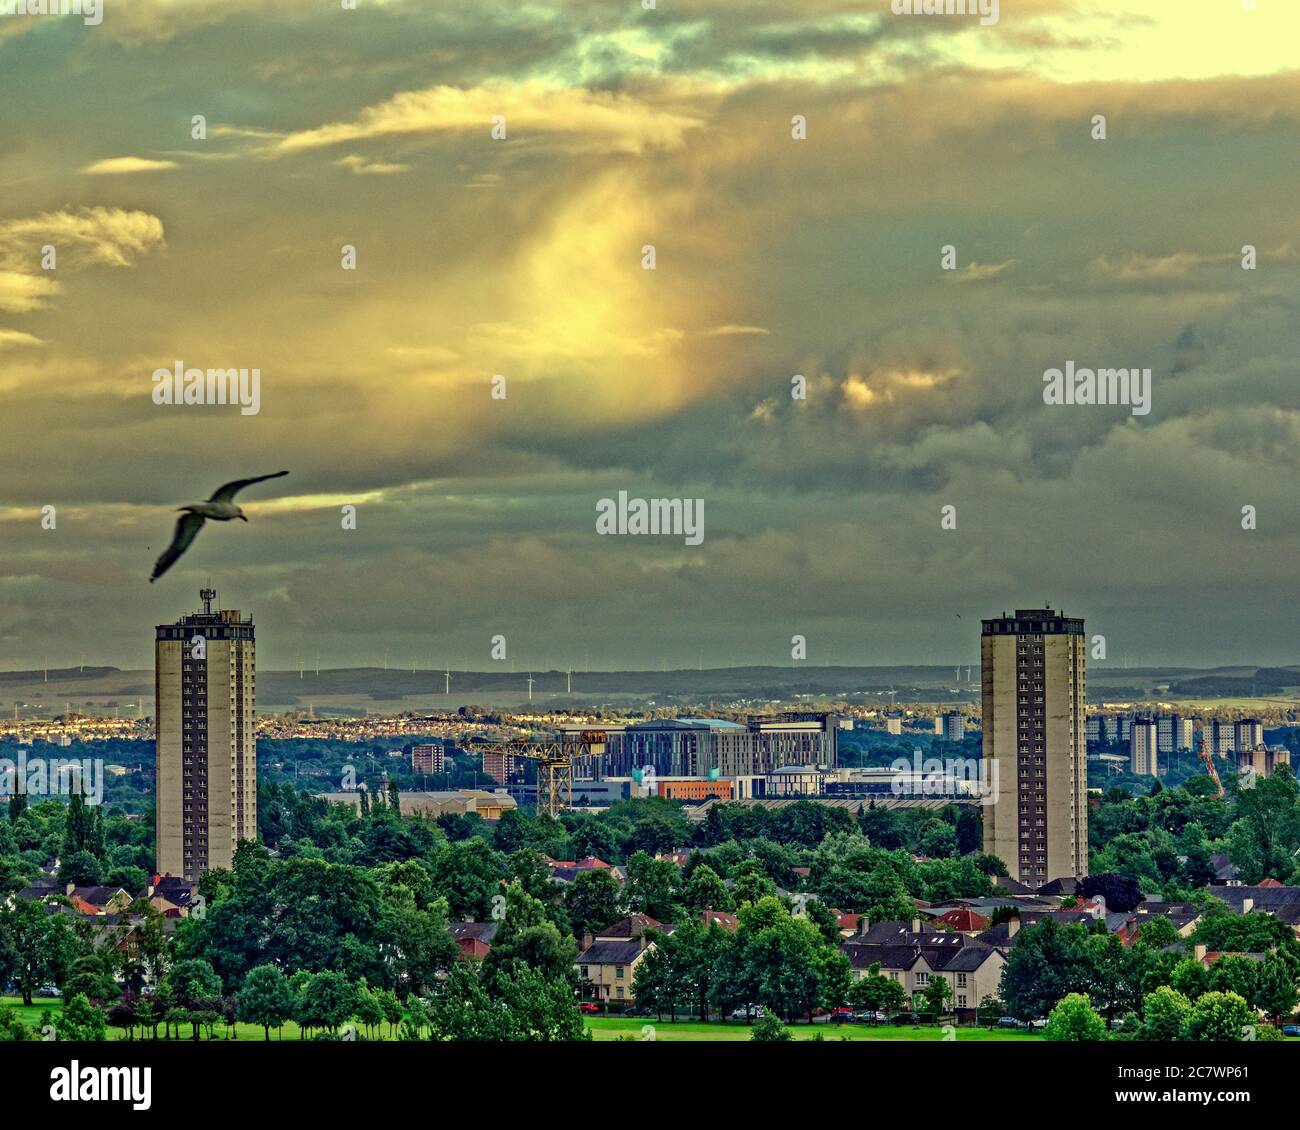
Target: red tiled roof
964,919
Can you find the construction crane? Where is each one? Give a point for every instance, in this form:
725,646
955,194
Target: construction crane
1208,758
555,765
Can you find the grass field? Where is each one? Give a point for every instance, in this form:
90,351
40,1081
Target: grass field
637,1027
613,1028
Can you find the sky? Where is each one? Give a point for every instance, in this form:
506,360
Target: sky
523,257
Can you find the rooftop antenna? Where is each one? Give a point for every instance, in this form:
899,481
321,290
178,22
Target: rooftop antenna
207,595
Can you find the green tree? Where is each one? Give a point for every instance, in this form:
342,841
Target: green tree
12,1027
35,946
527,938
705,890
266,999
594,901
1164,1015
935,996
1074,1019
652,886
1275,988
92,976
80,1020
328,1000
886,898
1219,1017
876,993
418,943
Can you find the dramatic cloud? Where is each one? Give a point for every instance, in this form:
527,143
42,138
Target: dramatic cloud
501,357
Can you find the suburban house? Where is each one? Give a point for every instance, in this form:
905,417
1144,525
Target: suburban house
474,939
1283,903
92,902
608,962
913,956
169,894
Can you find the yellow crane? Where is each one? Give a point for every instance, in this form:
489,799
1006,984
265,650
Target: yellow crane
555,765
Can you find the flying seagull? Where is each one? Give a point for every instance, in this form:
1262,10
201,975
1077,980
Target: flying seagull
219,507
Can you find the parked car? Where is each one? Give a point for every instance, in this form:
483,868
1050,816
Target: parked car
1291,1029
904,1018
589,1008
842,1016
1012,1022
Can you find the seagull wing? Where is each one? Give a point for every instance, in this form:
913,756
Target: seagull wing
187,529
227,492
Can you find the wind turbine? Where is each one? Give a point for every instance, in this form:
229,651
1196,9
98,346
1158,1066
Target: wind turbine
446,686
530,686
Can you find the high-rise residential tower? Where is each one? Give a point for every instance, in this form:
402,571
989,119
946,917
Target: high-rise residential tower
954,726
204,676
1033,691
1144,741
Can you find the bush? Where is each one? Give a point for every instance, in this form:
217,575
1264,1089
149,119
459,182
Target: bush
770,1029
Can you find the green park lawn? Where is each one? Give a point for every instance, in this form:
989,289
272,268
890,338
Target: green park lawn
614,1027
31,1014
608,1028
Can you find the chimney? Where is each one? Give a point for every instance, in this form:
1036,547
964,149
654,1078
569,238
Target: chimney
1247,905
1198,951
1013,925
70,888
587,939
916,925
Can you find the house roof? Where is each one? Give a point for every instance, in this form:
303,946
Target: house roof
476,931
633,926
965,920
718,918
1265,897
99,896
611,953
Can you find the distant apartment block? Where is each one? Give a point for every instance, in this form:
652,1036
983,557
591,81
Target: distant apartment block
1143,745
954,726
206,755
498,765
894,723
1033,690
1174,733
428,758
1247,734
